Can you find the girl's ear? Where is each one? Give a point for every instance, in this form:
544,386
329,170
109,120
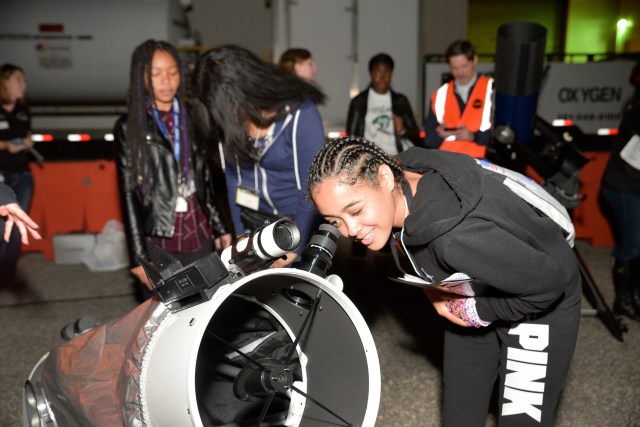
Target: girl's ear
385,177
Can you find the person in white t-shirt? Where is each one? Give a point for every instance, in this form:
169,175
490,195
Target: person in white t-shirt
380,114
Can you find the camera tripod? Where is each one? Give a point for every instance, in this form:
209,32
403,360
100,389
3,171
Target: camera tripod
601,309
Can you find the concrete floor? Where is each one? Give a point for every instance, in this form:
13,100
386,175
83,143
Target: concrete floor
603,387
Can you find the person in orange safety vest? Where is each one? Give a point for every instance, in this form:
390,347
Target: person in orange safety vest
459,117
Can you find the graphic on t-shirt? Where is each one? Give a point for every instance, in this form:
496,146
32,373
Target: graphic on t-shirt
383,123
378,122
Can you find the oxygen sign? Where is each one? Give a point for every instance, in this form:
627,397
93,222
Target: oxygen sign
592,95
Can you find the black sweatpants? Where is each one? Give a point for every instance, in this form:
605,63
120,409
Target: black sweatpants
531,360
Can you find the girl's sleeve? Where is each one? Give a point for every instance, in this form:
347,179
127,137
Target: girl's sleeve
531,279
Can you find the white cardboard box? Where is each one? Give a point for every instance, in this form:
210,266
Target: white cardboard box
70,248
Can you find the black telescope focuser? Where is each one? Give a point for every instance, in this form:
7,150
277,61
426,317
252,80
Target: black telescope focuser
318,256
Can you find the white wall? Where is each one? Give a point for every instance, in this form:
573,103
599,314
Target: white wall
392,27
326,29
243,22
406,29
87,59
441,23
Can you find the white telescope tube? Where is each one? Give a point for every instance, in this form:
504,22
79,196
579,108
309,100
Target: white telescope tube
266,243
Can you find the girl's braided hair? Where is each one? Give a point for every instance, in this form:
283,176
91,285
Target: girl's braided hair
351,159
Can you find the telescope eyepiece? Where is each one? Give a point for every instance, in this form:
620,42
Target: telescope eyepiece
318,256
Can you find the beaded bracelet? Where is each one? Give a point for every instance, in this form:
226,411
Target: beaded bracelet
465,309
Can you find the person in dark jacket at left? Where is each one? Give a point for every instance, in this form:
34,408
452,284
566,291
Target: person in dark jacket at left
381,114
164,173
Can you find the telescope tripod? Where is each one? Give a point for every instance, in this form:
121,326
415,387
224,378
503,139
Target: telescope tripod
601,309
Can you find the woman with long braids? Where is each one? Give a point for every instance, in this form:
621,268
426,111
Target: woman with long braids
270,128
449,217
164,173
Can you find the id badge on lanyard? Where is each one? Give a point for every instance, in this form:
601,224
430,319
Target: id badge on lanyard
181,201
248,198
181,205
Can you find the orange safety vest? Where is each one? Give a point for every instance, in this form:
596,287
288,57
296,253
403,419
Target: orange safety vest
476,115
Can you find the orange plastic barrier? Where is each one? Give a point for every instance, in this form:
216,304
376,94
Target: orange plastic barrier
82,196
71,197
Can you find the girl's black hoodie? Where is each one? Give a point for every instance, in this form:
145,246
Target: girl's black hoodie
464,219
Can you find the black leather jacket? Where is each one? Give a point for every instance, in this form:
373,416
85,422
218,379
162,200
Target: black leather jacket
399,106
6,196
157,217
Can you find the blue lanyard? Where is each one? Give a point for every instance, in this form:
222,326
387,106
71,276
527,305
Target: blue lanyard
176,127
